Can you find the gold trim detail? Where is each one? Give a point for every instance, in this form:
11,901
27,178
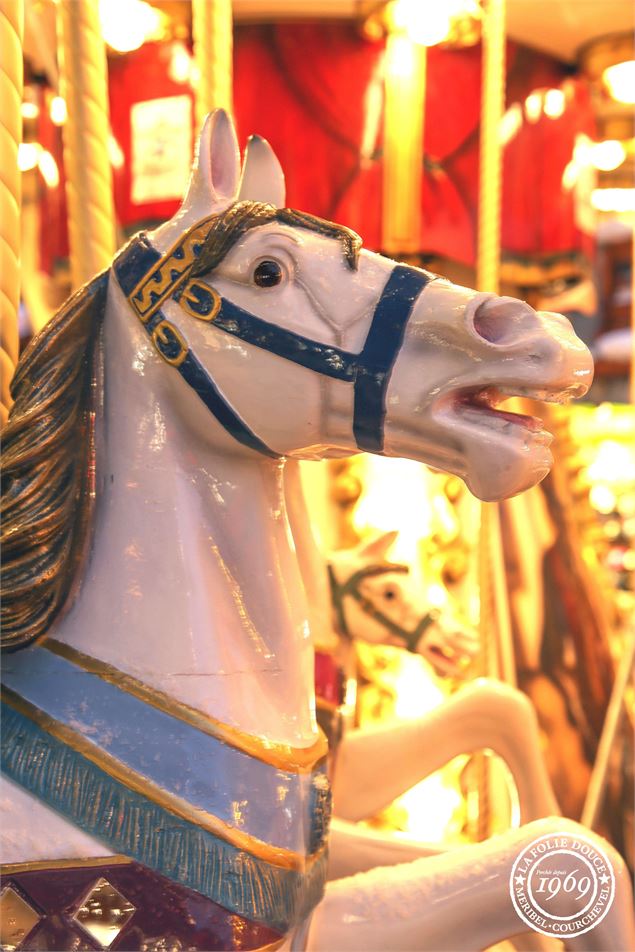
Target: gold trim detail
160,280
323,705
12,869
187,302
275,855
272,946
162,334
281,756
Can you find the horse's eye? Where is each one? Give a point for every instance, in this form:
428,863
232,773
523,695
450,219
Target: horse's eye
390,594
268,274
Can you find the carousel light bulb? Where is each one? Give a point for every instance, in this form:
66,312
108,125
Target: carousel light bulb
423,23
614,462
602,499
28,155
48,168
58,111
533,106
613,199
607,155
400,58
29,110
127,24
620,81
115,153
180,66
554,104
510,123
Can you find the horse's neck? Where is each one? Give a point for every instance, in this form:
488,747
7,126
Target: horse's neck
312,563
193,583
311,560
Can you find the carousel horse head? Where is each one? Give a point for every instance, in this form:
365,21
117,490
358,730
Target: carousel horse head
321,348
379,602
271,333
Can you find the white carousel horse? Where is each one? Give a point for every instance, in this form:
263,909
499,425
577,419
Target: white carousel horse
378,601
168,717
485,714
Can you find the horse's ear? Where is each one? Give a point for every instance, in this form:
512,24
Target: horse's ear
262,179
376,550
213,184
216,167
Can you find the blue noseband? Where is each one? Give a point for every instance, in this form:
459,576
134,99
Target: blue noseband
148,279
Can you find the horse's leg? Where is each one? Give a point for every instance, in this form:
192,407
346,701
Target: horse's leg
456,901
376,765
356,849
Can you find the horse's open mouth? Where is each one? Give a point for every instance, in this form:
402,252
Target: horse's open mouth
482,404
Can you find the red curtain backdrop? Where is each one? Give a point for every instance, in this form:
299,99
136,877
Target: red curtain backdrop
305,88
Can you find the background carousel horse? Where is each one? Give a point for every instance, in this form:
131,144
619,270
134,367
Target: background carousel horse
168,716
377,601
485,714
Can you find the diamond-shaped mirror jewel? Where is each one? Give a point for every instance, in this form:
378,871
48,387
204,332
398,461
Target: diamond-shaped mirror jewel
104,913
17,919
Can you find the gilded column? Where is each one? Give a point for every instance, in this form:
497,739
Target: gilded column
495,628
490,164
403,144
213,48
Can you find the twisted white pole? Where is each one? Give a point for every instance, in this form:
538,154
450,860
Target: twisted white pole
213,50
84,86
11,82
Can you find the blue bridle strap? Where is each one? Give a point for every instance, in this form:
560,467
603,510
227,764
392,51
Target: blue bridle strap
375,363
312,354
136,260
148,279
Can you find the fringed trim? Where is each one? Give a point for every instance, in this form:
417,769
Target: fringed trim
129,824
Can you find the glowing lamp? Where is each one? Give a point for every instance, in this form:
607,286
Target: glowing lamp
57,111
426,24
28,155
533,106
607,155
620,81
48,169
127,24
29,110
602,499
115,153
613,199
554,103
429,23
180,66
510,123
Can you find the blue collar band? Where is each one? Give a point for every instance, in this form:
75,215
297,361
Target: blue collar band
158,789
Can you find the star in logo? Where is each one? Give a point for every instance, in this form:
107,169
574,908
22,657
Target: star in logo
604,879
519,880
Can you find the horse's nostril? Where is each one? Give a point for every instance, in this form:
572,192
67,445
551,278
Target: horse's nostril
497,320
